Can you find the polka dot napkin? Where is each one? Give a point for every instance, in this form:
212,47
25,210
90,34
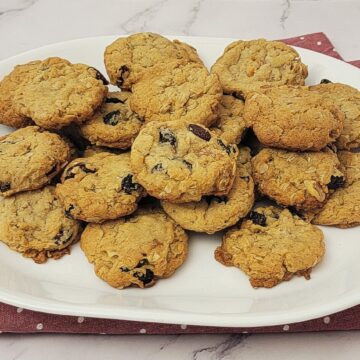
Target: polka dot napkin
18,320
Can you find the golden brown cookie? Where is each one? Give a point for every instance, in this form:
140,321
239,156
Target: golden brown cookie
30,158
178,92
215,213
136,250
33,223
272,246
293,117
245,66
99,187
114,124
182,162
57,93
303,180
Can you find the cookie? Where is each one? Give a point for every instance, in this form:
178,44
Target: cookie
136,250
189,52
343,207
33,223
57,93
114,124
30,158
128,59
8,86
246,66
347,99
272,246
302,180
178,92
215,213
230,124
293,117
182,162
99,187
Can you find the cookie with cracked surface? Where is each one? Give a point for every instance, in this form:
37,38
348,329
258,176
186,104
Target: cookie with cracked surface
293,117
57,93
347,99
230,124
128,59
272,246
114,124
188,51
181,162
245,66
33,223
302,180
178,92
30,158
343,207
215,213
136,250
99,187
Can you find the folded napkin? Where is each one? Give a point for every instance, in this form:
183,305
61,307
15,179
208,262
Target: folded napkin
18,320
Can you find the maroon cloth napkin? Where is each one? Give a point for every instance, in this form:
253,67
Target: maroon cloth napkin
18,320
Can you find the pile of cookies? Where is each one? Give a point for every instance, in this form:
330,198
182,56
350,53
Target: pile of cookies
170,147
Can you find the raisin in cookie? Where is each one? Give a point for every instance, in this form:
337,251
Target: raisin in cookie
303,180
30,158
272,246
136,250
343,207
178,92
57,93
214,213
247,65
293,117
99,188
128,59
33,223
114,124
181,162
230,124
347,99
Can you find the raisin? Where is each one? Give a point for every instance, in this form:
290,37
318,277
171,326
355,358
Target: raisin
114,101
257,218
200,132
82,167
227,148
219,199
336,182
5,186
123,72
145,278
142,262
124,269
325,81
188,164
68,211
238,96
157,167
61,238
112,118
128,185
167,136
100,76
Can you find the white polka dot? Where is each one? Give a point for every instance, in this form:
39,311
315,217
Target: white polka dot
142,331
102,333
302,38
286,327
0,332
334,50
19,310
183,326
245,332
326,319
319,43
39,326
80,319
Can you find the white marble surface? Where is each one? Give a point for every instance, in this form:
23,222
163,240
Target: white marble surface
26,24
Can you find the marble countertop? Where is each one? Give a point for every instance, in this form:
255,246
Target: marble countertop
27,24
